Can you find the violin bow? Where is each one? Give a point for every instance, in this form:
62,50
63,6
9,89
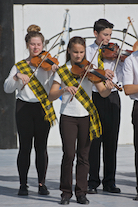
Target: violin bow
44,57
88,68
130,22
63,29
133,28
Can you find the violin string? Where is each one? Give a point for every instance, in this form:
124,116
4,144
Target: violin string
121,47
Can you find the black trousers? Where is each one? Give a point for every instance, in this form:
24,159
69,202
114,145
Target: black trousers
72,129
109,112
135,127
31,124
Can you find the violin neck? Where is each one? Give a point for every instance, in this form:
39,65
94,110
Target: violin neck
98,74
49,61
104,78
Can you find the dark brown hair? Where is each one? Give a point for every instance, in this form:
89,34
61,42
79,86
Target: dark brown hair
102,24
74,40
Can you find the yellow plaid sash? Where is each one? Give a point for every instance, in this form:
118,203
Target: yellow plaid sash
38,91
100,60
95,124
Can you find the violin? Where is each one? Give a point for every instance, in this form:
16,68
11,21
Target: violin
111,51
38,60
94,75
47,62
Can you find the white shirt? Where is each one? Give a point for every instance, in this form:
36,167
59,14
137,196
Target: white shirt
10,85
90,52
73,108
130,72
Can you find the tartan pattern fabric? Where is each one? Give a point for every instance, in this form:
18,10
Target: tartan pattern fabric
38,91
100,60
95,124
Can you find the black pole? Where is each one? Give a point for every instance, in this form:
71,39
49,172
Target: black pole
8,139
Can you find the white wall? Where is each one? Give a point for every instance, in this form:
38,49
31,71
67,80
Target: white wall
51,17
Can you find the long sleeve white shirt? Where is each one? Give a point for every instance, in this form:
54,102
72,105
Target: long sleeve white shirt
10,85
130,72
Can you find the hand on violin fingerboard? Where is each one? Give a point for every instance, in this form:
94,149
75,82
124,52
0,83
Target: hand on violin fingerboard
109,74
109,84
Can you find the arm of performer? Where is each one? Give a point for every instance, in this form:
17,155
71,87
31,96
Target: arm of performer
56,92
130,80
104,90
131,89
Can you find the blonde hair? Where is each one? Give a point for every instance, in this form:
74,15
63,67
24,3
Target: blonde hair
33,31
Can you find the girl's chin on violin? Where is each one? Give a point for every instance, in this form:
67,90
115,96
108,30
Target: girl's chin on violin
76,61
79,61
36,53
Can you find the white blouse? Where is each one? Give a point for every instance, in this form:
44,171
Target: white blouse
10,85
73,108
130,72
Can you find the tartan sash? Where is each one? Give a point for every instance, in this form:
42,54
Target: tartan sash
100,60
38,91
95,128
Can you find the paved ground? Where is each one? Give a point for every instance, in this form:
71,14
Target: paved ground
9,182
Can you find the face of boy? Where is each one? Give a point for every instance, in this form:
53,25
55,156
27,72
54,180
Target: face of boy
104,35
77,52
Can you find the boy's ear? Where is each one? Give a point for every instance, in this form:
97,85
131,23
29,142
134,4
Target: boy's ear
95,33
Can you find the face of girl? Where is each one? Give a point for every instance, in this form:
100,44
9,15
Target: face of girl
104,35
35,46
77,52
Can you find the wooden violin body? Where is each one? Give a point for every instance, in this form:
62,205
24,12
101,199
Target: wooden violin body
78,70
47,62
111,51
94,75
